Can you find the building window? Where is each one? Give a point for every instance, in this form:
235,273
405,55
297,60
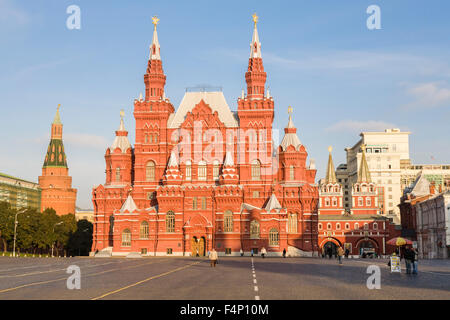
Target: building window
368,202
291,173
170,222
143,233
126,238
117,174
356,226
292,223
202,170
255,194
194,203
338,226
329,226
360,201
334,202
274,238
320,226
347,226
203,203
188,170
228,221
327,202
150,171
143,250
366,226
227,250
254,229
256,170
169,251
375,226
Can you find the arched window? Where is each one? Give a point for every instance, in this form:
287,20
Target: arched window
356,226
375,226
320,226
143,232
338,226
334,202
274,238
368,201
254,229
188,170
155,138
256,170
150,171
170,222
292,223
194,203
327,202
126,238
329,226
291,173
203,203
228,221
360,201
202,170
347,226
366,226
117,174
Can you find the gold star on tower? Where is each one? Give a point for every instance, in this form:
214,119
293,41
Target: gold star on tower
255,18
122,113
330,148
289,110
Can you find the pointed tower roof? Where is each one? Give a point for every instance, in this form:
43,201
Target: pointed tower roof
129,205
290,134
155,48
364,173
56,157
273,203
57,119
331,174
173,161
255,46
121,141
228,160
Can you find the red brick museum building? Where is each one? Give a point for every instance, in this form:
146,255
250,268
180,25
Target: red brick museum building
203,176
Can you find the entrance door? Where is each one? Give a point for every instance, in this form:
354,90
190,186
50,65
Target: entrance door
330,249
201,247
194,246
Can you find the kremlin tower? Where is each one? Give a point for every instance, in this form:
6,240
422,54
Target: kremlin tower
55,182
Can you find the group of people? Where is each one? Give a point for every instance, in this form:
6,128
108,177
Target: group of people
213,257
410,255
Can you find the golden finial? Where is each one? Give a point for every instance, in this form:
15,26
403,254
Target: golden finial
363,147
155,21
122,113
59,105
330,148
255,18
289,110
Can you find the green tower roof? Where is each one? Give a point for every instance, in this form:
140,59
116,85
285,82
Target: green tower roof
55,156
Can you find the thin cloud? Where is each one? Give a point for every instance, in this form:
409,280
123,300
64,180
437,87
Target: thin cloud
10,15
352,126
428,95
85,140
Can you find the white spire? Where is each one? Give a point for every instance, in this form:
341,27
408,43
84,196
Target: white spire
255,46
273,203
155,48
173,162
228,160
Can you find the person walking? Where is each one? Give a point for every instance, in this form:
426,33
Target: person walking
347,252
213,257
242,252
409,256
414,262
284,253
330,252
263,252
340,254
251,252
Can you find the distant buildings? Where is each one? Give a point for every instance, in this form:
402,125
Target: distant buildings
82,214
55,182
19,193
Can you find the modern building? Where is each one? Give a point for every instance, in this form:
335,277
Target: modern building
84,214
386,151
19,193
203,176
439,174
362,229
433,226
55,182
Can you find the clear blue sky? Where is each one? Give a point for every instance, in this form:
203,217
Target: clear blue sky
340,77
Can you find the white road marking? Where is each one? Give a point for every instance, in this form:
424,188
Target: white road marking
256,297
256,288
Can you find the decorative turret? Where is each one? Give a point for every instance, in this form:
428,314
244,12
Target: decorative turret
364,173
154,79
173,175
255,75
229,175
290,134
119,157
56,156
331,174
330,191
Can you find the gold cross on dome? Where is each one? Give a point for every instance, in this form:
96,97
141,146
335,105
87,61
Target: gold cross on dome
122,113
289,110
155,20
330,148
255,18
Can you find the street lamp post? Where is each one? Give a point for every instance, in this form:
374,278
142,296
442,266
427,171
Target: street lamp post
53,244
15,231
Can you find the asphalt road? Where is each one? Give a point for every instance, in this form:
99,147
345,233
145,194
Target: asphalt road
234,278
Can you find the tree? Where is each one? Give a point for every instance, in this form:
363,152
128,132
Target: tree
80,242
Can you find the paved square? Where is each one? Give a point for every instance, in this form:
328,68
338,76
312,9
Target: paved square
234,278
